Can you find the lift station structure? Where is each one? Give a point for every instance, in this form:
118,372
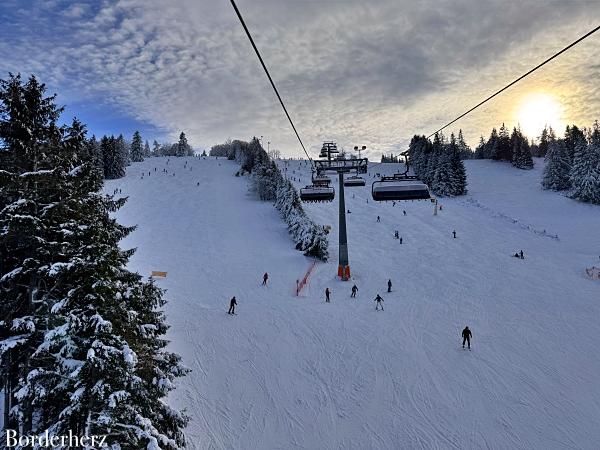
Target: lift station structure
341,166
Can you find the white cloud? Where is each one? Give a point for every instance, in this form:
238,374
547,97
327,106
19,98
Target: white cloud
358,73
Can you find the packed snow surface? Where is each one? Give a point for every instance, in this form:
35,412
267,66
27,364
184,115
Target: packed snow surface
296,372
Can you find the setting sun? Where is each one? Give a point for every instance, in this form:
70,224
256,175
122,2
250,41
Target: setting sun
538,110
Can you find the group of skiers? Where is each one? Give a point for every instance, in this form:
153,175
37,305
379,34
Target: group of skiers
378,299
466,333
519,255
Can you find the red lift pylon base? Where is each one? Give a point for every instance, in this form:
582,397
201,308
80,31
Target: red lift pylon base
344,272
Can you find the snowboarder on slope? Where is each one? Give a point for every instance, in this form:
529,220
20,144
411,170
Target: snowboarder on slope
466,335
354,291
232,304
404,212
389,285
327,292
378,299
265,278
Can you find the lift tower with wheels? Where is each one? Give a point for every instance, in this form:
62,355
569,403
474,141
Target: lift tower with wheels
340,166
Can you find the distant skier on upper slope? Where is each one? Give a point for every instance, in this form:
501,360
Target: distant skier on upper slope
379,301
466,335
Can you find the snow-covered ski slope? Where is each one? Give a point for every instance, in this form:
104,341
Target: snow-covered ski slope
295,372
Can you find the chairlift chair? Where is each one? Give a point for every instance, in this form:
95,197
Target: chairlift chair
315,193
399,187
354,180
321,180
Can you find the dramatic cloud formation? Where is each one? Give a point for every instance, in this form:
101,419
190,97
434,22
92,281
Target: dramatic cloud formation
372,73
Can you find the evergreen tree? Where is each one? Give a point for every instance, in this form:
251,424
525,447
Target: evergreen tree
556,175
94,152
545,137
147,151
450,178
81,338
491,147
463,149
155,148
502,151
521,153
113,151
183,148
585,173
442,179
480,149
32,183
572,135
459,173
137,151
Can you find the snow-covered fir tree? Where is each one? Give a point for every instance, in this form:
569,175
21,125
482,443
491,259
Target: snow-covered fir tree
155,148
556,175
147,151
464,150
521,153
95,153
114,153
544,138
32,183
450,178
442,178
491,147
585,172
459,173
183,148
81,338
572,135
137,149
480,149
502,150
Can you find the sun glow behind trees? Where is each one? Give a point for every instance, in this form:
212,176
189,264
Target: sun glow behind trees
537,111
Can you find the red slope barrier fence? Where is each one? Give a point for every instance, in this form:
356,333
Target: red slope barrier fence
301,283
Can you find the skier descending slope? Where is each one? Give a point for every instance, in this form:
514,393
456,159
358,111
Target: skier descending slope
389,285
265,278
232,304
466,335
327,292
354,291
379,301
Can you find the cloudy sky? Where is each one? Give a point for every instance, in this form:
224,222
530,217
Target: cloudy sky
368,73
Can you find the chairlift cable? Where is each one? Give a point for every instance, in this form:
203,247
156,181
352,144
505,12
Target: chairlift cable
237,11
518,79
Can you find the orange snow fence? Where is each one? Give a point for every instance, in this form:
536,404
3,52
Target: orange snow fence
301,283
156,273
593,273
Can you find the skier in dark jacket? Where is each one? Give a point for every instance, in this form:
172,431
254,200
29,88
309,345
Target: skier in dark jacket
354,291
232,304
379,300
454,234
265,278
389,285
521,254
327,292
466,335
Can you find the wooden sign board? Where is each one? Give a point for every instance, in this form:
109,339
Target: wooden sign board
156,273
